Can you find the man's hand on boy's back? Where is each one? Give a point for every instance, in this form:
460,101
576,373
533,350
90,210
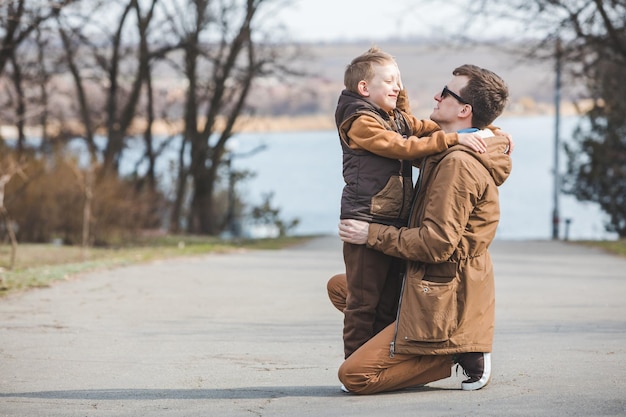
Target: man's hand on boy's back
353,231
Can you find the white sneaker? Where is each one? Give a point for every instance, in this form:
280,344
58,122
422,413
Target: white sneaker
344,389
477,366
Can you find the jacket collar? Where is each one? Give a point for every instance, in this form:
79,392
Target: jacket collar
496,161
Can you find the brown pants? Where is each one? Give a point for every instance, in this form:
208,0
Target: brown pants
373,285
370,370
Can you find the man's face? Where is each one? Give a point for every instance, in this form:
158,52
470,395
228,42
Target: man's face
383,89
448,108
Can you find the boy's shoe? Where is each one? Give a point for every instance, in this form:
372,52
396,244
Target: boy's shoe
344,389
477,367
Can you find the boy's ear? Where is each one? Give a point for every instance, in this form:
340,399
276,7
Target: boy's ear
362,87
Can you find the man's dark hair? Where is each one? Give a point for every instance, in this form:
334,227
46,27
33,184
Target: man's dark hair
485,91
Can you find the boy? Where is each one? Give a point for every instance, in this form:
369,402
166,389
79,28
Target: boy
379,138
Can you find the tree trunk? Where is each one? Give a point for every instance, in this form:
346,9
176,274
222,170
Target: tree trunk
181,190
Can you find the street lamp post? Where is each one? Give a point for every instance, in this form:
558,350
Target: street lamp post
557,123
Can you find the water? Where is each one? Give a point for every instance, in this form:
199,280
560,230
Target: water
303,170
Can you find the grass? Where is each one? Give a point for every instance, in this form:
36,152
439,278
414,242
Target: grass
616,247
39,265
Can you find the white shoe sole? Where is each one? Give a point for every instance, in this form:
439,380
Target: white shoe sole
484,380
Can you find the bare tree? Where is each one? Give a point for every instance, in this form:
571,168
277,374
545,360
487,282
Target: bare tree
222,58
116,64
143,23
597,155
8,169
19,18
86,183
43,78
20,103
84,115
220,47
23,23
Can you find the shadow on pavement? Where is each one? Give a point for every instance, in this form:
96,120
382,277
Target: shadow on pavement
198,394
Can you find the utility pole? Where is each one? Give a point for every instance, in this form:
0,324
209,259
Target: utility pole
557,124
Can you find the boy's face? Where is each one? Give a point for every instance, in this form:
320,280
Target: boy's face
384,87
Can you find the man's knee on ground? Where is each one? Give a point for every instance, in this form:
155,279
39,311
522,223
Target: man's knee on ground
352,379
337,291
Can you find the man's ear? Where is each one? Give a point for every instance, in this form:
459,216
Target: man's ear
363,90
465,112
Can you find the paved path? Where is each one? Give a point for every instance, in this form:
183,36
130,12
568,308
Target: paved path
253,334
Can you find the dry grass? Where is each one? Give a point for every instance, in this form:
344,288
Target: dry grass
617,247
39,265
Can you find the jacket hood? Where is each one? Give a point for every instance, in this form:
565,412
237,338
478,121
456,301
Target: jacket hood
496,160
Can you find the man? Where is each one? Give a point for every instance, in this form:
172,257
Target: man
378,141
447,307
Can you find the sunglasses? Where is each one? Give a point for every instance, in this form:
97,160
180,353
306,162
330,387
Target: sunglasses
445,92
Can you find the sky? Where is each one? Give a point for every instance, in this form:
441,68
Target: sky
329,20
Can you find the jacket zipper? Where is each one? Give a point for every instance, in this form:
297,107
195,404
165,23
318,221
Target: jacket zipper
392,345
401,175
402,128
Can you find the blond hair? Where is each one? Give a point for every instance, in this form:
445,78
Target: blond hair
362,67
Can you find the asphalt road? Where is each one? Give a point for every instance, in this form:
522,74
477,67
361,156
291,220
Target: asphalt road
253,334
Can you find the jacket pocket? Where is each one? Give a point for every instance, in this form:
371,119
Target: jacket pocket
389,201
433,301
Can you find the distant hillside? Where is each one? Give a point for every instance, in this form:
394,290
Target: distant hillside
426,68
308,103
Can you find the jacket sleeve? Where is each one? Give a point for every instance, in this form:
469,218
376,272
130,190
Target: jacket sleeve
367,133
421,127
427,127
449,203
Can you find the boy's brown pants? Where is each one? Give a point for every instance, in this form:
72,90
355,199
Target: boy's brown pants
373,289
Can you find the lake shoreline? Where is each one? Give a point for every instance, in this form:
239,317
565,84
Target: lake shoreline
277,124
